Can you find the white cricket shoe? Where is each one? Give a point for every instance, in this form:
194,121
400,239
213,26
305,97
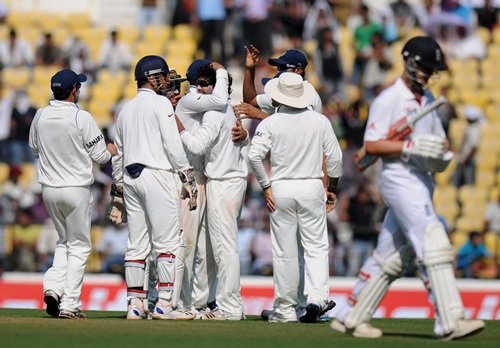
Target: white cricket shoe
199,312
164,310
276,318
364,330
465,328
136,310
218,314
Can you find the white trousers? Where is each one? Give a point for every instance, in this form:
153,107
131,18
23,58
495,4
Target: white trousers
70,210
409,197
299,226
224,203
199,263
153,211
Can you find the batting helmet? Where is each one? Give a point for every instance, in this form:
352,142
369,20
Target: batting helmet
150,65
426,52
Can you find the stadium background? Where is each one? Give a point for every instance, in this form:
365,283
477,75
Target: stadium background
469,81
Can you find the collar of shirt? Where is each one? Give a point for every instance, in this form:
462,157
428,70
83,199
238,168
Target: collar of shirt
146,90
407,94
63,104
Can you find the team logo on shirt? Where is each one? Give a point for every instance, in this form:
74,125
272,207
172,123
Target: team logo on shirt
95,141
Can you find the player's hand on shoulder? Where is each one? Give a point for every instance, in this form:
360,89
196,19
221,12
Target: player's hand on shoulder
244,110
113,150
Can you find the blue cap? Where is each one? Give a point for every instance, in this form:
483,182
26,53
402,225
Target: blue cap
192,73
267,79
291,58
150,65
65,80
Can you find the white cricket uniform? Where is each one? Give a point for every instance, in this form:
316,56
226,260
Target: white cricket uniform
146,133
226,172
297,140
265,103
407,188
198,281
66,140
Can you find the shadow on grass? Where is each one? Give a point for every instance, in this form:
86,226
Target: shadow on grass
411,335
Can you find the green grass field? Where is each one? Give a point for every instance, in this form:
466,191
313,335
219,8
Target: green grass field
35,329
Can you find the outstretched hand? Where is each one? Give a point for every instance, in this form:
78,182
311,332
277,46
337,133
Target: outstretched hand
253,57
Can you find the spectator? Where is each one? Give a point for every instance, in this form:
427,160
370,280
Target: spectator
48,53
150,15
360,209
379,62
24,235
77,57
474,260
404,14
262,250
362,43
328,65
246,235
46,245
16,52
211,16
22,116
487,15
256,24
319,18
5,117
447,111
466,160
111,248
114,54
492,216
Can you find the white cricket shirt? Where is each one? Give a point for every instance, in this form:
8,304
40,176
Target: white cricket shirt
66,140
394,103
146,132
223,158
266,103
297,139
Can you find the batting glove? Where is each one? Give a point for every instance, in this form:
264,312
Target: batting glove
438,165
189,188
117,213
428,146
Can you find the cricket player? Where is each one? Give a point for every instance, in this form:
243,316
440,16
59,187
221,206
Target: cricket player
66,140
226,173
297,138
196,263
411,227
261,106
150,156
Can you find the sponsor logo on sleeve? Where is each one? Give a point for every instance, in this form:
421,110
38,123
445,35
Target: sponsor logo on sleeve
91,143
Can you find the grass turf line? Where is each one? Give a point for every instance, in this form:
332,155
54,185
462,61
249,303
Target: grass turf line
34,328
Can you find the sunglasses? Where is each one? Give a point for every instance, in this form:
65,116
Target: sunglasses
203,83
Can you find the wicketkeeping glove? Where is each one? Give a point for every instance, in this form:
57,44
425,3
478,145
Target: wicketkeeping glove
429,146
189,188
117,212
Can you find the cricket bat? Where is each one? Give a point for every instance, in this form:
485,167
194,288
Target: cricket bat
398,131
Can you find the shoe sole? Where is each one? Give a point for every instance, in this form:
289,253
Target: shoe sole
472,333
312,312
52,306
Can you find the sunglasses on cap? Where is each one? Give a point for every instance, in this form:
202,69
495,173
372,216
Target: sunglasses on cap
203,83
285,67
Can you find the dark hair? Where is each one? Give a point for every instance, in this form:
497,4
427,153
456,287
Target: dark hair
60,94
209,73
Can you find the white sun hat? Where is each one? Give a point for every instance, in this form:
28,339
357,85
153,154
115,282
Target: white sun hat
291,90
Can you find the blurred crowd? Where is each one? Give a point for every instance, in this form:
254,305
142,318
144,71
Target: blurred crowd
353,49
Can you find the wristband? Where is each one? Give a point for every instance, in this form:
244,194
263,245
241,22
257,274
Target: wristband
332,189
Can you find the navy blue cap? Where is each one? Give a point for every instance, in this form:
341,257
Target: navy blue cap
291,58
192,73
65,80
267,79
150,65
